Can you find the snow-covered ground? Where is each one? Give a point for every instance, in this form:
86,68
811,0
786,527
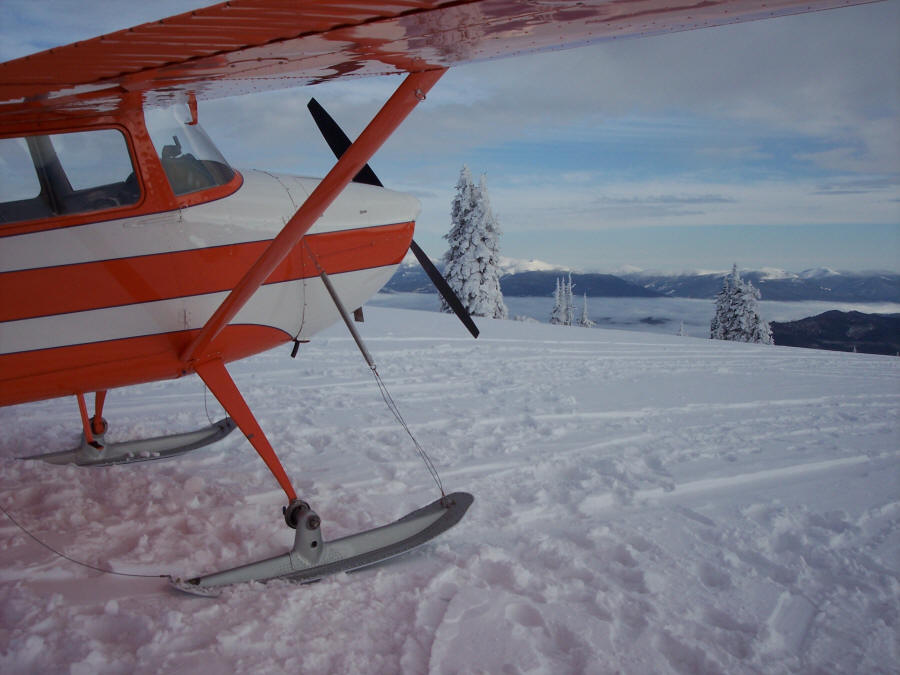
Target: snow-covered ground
644,504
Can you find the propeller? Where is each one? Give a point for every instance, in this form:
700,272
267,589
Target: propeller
339,142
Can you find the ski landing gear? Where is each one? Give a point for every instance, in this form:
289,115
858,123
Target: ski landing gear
312,557
94,451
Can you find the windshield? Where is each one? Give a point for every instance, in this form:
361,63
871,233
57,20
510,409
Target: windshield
188,156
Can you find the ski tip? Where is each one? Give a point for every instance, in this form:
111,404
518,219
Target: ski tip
458,501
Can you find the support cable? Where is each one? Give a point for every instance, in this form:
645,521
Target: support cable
382,387
72,560
392,406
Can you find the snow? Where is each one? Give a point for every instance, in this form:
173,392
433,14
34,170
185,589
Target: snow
775,274
506,265
517,266
645,503
818,273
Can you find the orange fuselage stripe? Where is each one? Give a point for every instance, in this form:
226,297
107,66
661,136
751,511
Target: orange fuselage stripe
112,283
97,366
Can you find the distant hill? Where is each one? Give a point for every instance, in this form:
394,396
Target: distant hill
842,331
595,285
410,278
819,284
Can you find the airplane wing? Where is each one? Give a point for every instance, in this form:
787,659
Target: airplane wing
246,46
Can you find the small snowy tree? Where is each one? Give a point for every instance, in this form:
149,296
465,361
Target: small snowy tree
557,316
585,319
563,313
737,313
570,303
472,263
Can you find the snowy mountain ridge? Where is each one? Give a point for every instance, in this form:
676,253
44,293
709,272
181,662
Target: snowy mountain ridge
777,284
536,277
762,272
517,266
507,265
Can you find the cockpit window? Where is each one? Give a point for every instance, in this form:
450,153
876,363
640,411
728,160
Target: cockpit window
188,156
62,174
18,180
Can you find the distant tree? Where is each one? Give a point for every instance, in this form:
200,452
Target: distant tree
570,303
472,263
737,313
563,313
585,319
681,332
557,315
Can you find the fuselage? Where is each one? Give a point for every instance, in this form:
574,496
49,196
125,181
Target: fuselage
101,303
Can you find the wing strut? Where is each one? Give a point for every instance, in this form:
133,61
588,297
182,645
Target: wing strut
399,105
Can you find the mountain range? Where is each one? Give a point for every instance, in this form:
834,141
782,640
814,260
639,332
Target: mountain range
817,284
536,278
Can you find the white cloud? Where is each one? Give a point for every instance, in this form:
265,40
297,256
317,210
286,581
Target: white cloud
537,203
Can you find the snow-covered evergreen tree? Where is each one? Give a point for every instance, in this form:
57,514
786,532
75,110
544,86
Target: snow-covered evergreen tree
557,316
472,263
570,303
737,313
563,313
585,319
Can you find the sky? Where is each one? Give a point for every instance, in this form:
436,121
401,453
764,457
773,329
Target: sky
766,144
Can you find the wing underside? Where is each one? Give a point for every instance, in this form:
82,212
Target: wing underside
245,46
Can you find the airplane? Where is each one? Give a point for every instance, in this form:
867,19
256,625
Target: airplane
132,252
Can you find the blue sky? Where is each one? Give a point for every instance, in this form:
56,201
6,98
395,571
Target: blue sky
769,144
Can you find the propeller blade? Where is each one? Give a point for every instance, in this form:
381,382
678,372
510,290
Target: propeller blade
444,288
339,142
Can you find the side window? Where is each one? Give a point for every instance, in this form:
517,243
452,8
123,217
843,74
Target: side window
18,179
62,174
93,159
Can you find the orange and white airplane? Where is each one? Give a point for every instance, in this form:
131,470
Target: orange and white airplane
130,251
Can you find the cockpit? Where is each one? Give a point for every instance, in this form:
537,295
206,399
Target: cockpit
77,172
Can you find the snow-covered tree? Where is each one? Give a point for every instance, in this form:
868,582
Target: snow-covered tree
472,263
557,316
737,313
585,319
570,303
563,313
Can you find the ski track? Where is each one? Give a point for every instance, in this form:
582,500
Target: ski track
643,505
